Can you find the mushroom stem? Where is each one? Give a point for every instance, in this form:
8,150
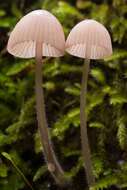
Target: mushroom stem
52,163
83,122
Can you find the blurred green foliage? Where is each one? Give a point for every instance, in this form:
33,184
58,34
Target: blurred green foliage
21,153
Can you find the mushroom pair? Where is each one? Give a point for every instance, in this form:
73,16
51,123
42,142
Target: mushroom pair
39,34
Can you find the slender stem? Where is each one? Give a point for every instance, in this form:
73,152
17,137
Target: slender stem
53,165
83,122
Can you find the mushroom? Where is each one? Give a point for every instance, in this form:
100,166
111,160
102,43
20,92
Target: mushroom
89,40
39,34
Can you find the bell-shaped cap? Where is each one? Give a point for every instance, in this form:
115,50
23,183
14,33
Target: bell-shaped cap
37,26
89,39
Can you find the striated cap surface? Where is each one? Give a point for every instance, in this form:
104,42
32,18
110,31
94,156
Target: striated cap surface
37,26
89,39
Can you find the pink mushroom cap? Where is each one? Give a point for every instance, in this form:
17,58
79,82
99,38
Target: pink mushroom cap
89,39
38,26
